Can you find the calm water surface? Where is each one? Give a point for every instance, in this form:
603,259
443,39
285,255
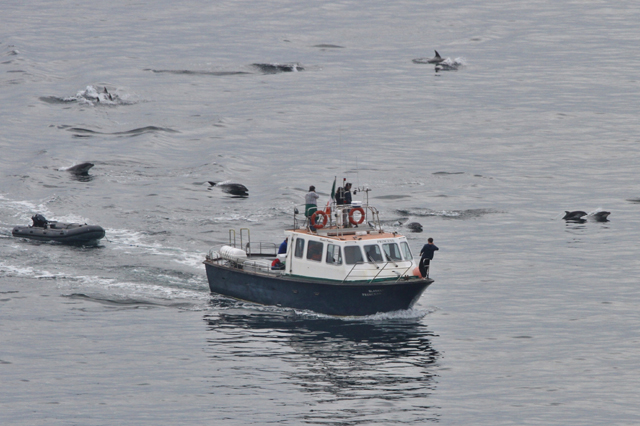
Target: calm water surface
531,321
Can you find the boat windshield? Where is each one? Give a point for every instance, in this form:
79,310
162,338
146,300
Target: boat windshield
314,250
406,251
392,251
299,247
373,253
352,255
334,256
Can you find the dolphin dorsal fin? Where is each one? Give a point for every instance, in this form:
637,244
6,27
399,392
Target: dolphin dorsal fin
437,54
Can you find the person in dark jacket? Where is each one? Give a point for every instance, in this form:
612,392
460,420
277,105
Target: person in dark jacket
347,193
283,247
426,256
343,197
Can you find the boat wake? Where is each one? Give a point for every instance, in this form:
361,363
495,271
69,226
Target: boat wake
228,305
128,241
171,290
22,210
403,315
128,302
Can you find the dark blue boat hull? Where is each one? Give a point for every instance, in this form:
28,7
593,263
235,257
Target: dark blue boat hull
331,298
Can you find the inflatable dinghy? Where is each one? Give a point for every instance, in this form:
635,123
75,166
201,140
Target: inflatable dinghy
67,233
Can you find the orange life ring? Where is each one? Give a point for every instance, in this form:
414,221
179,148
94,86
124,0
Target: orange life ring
324,219
352,220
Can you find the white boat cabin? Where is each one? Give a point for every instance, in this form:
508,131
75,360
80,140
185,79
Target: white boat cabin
364,255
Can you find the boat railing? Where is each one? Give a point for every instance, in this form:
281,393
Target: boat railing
244,234
255,249
261,249
258,267
357,271
338,218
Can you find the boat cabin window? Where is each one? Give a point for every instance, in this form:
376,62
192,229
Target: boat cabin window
373,253
299,247
352,255
392,251
314,250
406,252
334,256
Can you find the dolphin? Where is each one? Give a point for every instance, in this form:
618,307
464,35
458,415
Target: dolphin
107,94
232,188
436,59
414,227
574,216
446,66
600,216
81,169
276,68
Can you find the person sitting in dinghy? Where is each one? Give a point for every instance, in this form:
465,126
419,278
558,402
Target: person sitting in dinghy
39,221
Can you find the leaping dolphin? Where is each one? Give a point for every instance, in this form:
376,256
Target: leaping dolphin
232,188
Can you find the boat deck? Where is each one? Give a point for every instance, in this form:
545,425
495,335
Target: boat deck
342,234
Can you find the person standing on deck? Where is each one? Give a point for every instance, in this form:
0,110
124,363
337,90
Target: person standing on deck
283,247
343,197
311,202
426,255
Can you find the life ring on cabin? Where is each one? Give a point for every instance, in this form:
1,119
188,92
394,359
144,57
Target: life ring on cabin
322,223
352,220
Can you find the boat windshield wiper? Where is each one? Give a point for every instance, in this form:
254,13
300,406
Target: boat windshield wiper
370,258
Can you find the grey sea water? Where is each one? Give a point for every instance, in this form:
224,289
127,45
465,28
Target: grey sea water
530,321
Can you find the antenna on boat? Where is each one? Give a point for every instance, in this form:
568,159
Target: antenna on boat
340,146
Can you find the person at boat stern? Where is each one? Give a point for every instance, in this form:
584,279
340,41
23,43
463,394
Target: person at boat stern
311,202
426,255
283,247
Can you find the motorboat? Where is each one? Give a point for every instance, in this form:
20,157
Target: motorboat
67,233
340,261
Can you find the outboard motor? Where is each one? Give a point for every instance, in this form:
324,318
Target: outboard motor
39,221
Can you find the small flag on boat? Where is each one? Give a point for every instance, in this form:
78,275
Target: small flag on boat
333,189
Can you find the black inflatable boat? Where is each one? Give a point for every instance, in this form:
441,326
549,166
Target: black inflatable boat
67,233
